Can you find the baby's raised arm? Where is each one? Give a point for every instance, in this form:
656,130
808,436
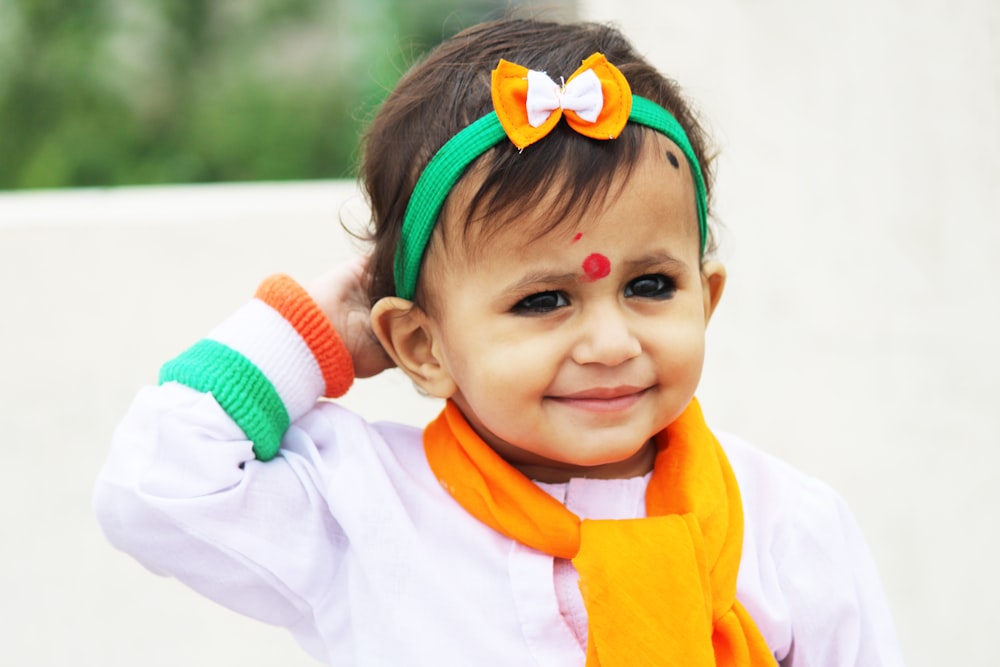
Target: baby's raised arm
186,489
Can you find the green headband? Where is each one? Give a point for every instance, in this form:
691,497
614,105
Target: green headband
450,162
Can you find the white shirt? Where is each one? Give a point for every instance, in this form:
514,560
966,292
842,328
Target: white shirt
348,540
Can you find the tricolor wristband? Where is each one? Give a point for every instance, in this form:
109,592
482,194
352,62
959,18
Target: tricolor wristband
268,364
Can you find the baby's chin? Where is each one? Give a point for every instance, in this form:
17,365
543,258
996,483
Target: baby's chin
633,462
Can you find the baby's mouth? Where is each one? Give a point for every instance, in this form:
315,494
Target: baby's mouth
603,399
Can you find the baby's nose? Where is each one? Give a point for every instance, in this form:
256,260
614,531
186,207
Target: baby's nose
606,338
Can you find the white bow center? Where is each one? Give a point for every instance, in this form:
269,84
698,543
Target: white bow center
582,94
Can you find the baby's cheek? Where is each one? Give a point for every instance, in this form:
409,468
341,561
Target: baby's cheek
524,373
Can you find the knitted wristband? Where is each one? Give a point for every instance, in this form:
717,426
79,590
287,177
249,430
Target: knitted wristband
242,389
294,304
239,387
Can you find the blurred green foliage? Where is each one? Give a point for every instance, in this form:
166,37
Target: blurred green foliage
113,92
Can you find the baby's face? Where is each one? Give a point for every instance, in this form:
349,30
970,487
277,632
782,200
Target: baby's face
571,351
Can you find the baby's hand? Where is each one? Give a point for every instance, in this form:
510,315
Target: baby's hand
341,294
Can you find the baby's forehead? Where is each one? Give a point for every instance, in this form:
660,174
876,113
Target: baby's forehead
471,232
474,218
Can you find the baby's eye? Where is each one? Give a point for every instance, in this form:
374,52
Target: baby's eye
543,302
653,286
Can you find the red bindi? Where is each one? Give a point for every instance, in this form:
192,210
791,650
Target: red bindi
579,235
596,266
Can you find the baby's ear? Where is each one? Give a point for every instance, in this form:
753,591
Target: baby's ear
404,330
713,281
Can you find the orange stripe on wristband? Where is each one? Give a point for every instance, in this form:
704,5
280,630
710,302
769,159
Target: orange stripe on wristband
292,302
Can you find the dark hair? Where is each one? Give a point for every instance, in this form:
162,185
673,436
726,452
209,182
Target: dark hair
450,89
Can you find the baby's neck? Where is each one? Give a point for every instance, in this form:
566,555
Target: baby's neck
636,465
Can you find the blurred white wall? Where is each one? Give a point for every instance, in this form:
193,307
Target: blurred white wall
859,193
858,186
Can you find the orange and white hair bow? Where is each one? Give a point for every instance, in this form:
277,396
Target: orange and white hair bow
596,101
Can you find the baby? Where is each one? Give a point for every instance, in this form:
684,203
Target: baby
542,260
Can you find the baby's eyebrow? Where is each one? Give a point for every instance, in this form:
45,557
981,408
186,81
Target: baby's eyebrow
662,260
541,278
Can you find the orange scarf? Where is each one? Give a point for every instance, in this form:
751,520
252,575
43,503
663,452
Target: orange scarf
658,591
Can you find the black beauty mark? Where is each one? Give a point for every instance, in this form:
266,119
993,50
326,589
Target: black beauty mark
673,160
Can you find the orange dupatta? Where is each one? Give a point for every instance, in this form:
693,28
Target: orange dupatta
658,591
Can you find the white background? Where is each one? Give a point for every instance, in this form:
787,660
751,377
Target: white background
859,190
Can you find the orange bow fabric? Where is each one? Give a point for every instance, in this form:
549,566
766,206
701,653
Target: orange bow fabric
596,101
658,591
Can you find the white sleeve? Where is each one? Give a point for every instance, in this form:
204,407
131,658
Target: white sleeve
807,575
839,614
181,493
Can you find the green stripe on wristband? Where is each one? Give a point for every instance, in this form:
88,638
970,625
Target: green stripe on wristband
239,387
